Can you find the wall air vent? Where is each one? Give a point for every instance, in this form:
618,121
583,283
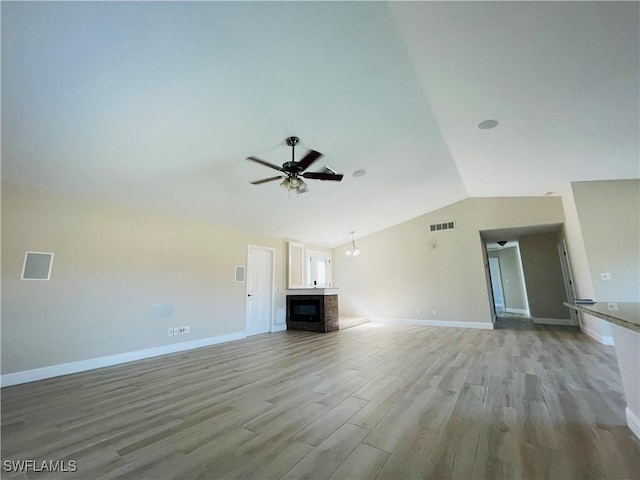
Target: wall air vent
438,227
37,266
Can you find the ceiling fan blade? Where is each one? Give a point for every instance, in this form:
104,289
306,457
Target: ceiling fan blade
265,163
323,176
308,159
270,179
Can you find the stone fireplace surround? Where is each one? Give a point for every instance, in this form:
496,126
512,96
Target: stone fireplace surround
327,302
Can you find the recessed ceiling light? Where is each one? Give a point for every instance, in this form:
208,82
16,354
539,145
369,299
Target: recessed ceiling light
359,173
487,124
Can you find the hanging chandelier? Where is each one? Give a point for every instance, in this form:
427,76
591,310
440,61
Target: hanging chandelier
353,250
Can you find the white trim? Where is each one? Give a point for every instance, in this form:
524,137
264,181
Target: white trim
553,321
604,340
279,328
633,422
27,376
517,310
432,323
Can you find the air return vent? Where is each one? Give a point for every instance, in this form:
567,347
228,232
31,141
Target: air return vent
438,227
37,266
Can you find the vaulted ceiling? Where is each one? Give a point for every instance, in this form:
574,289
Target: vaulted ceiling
157,104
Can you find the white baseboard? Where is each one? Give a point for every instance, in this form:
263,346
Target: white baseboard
516,310
553,321
604,340
431,323
633,422
27,376
279,328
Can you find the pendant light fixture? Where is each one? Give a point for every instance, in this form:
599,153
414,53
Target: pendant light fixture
353,250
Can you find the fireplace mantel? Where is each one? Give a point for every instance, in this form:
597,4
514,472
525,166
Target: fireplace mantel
313,291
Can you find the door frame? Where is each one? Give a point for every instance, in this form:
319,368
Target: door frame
272,285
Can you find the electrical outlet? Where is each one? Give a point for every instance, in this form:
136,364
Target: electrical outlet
417,311
186,329
171,332
435,312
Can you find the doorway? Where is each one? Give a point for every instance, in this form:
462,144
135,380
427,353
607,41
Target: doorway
260,290
507,279
496,284
531,274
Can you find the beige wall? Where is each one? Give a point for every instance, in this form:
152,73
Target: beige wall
396,275
543,276
111,265
609,214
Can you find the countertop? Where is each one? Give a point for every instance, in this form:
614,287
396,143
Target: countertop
624,314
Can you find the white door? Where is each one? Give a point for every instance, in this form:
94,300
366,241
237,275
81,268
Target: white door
496,284
260,286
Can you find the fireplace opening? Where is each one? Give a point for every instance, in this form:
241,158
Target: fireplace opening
305,310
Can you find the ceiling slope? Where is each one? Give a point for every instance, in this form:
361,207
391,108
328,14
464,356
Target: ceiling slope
156,104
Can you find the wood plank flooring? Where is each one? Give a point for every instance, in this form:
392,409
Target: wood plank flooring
388,402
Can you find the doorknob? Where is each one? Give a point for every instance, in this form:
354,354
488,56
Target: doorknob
249,295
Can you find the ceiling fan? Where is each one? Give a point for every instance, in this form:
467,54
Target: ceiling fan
293,172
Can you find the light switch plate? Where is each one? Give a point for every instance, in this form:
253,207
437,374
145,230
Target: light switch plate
605,276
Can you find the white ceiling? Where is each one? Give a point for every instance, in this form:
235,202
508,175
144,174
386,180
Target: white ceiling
156,105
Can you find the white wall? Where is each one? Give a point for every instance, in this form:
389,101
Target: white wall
397,277
111,265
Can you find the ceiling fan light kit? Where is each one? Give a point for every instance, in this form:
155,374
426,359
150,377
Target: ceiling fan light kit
293,172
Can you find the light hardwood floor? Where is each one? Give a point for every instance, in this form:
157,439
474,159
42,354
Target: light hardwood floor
368,402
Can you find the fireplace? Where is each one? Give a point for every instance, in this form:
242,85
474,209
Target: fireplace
306,309
316,313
